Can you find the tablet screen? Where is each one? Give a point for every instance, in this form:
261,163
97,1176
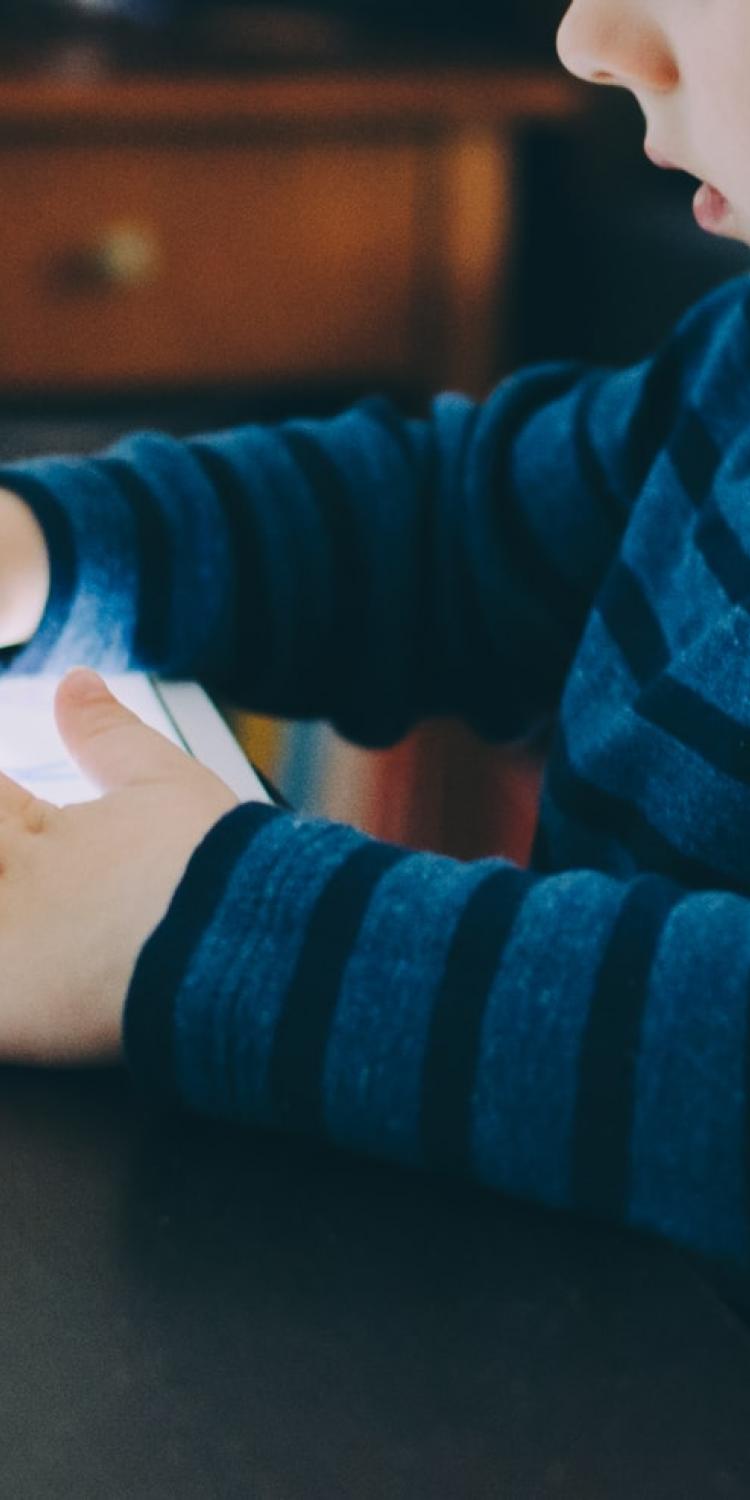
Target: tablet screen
33,754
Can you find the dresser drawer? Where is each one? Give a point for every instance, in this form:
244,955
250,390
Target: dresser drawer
127,264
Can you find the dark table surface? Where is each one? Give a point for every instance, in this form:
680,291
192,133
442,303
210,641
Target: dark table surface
191,1312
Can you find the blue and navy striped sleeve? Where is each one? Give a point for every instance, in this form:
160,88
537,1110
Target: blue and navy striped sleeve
574,1040
368,569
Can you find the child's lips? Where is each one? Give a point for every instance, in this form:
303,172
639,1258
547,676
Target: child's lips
711,208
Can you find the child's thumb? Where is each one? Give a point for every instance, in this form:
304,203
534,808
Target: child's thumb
112,746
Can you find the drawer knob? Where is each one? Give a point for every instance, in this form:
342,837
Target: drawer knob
125,255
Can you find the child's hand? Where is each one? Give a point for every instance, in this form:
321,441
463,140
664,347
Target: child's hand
82,887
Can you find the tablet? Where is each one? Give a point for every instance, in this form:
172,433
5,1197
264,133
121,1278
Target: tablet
33,754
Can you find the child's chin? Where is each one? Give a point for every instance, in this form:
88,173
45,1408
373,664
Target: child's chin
735,228
738,228
742,236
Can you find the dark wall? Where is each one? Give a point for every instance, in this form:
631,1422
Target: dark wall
609,254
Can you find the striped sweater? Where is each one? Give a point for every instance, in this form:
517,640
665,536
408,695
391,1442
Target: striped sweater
573,552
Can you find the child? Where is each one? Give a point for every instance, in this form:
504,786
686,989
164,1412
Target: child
578,549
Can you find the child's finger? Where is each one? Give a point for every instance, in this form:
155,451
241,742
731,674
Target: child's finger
109,742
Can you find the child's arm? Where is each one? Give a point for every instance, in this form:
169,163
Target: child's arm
368,570
573,1039
576,1040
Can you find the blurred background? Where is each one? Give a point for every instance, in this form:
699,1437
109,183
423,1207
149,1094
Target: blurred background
217,211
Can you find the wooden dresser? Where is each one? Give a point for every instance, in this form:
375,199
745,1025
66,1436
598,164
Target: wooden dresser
160,234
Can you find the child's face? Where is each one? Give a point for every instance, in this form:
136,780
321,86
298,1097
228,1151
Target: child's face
687,62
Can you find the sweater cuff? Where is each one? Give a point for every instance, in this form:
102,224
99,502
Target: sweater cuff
164,960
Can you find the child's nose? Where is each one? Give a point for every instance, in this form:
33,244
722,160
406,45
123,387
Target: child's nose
617,43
